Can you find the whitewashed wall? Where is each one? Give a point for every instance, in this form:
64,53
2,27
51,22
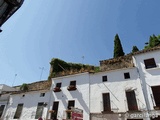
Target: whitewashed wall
81,95
30,102
150,77
116,86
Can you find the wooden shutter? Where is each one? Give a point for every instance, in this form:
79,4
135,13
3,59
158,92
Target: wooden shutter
156,94
131,100
1,110
39,110
55,108
106,102
18,111
73,83
150,63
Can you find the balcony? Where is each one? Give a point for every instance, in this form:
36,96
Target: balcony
57,89
71,88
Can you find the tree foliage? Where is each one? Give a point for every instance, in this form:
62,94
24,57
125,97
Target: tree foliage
153,41
118,50
24,87
135,49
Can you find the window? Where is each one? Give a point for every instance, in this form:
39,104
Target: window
42,94
72,86
55,108
18,111
106,102
104,78
131,100
23,95
73,83
71,104
156,95
58,85
39,110
1,110
57,88
150,63
126,75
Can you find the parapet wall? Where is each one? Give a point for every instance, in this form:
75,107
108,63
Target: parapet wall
117,63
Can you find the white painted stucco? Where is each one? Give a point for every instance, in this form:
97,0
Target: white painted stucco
81,95
30,102
149,77
116,86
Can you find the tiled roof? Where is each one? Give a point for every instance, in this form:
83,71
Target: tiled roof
147,50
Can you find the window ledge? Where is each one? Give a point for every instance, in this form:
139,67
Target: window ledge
154,68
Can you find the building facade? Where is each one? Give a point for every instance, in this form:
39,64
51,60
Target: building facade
8,8
125,88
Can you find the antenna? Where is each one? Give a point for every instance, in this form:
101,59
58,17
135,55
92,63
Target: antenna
82,59
42,69
14,79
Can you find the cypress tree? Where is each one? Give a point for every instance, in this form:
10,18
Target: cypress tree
118,50
135,49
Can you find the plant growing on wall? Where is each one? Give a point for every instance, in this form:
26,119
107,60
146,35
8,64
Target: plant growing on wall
61,67
24,87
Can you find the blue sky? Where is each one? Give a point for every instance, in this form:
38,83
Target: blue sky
70,29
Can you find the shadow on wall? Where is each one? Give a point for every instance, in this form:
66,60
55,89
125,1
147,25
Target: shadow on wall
61,96
77,94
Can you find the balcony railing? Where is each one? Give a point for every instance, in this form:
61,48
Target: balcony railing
57,89
71,88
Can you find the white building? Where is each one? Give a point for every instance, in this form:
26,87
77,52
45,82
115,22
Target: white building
31,104
148,64
70,91
4,98
126,88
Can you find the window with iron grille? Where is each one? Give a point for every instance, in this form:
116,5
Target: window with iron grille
131,100
106,102
58,85
39,110
150,63
18,111
71,103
